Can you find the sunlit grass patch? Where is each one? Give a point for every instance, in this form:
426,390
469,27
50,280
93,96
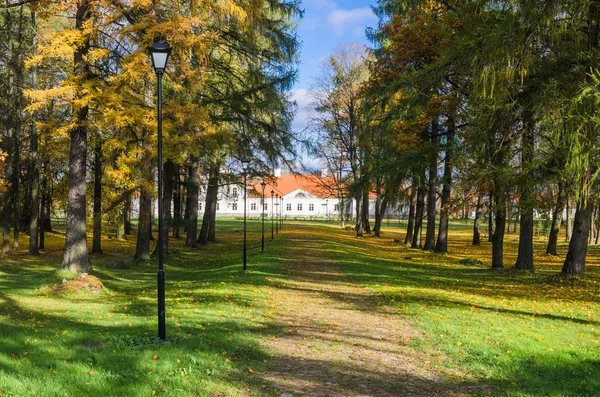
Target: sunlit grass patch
523,334
97,345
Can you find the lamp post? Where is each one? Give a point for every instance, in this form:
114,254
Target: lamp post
262,203
272,213
327,209
160,54
281,216
245,163
277,213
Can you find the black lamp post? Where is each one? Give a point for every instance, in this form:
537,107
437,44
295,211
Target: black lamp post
262,203
281,215
327,209
160,54
277,214
245,163
272,213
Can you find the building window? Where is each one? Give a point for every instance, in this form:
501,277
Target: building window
253,206
235,192
200,206
299,207
336,207
234,206
311,207
288,207
266,206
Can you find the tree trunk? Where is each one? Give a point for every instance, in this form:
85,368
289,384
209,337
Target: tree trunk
186,211
76,256
491,217
498,238
210,209
127,216
97,234
556,221
35,172
412,210
380,210
365,212
598,228
16,117
431,199
192,207
177,194
516,221
144,232
7,206
168,176
569,222
416,240
592,228
574,265
442,241
119,223
212,224
46,224
358,211
526,196
44,189
477,223
15,184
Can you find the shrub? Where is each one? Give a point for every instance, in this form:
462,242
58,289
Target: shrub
471,262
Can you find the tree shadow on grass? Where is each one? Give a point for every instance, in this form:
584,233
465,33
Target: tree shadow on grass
91,359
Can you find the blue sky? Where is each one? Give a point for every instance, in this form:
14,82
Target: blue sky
326,25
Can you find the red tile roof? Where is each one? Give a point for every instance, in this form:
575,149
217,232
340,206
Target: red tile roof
286,184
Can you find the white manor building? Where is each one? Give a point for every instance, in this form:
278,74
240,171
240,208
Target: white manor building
293,196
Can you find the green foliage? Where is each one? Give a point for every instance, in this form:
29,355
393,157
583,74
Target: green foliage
471,262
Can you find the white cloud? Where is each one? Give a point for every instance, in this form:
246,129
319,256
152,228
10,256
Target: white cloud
339,20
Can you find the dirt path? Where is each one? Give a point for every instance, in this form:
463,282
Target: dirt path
337,341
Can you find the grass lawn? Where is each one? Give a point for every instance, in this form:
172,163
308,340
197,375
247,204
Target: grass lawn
523,335
85,344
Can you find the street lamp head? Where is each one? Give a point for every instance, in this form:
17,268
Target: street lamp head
276,195
159,52
263,184
272,193
245,162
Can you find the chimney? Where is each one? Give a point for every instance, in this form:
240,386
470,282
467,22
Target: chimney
277,173
324,172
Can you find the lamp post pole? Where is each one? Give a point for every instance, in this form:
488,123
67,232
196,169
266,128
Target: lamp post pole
245,163
327,209
272,213
262,203
281,216
277,213
159,54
